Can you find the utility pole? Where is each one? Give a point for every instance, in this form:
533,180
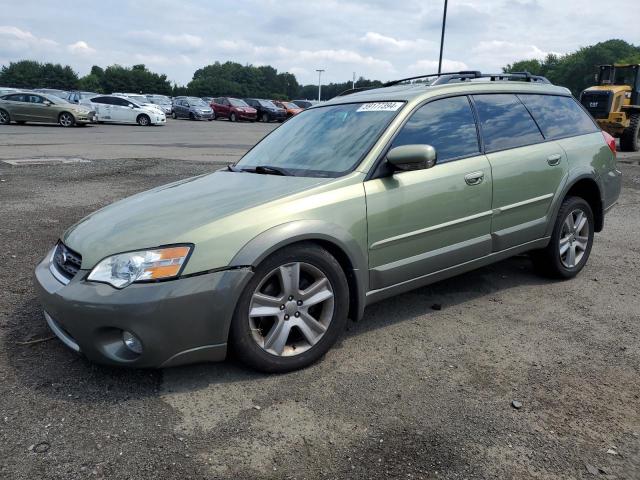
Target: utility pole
444,22
319,83
353,82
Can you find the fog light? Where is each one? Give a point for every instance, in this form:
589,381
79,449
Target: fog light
132,342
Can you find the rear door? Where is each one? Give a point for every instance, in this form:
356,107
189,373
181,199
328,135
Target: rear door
527,169
17,105
423,221
102,107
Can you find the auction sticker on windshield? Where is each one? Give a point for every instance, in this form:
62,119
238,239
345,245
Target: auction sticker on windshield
380,107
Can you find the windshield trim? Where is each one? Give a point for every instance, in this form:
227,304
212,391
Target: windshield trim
324,173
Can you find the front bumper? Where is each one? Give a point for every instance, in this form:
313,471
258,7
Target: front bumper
178,322
203,116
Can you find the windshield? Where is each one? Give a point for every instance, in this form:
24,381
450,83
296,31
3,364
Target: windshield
267,103
138,98
55,99
198,102
237,103
621,76
327,141
160,100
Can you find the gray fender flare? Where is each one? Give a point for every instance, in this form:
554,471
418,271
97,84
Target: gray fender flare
575,177
269,241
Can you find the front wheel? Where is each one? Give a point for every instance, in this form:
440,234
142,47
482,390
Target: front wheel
630,139
233,117
66,120
265,117
292,310
571,241
174,115
143,120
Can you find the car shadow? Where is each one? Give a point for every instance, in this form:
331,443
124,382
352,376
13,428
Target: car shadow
52,369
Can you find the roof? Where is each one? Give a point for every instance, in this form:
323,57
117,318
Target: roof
421,91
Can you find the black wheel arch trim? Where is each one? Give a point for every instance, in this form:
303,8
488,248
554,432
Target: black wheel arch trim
575,178
338,241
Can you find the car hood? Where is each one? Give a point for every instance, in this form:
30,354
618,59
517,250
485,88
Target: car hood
176,213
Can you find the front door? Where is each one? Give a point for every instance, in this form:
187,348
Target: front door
423,221
527,171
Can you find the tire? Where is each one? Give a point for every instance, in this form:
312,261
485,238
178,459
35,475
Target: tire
143,120
630,139
265,118
213,115
551,261
306,331
232,117
191,116
5,118
66,120
175,115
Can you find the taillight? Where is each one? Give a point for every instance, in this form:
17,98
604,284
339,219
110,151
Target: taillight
611,142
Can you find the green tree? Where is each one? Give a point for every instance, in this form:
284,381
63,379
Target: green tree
32,74
577,70
136,79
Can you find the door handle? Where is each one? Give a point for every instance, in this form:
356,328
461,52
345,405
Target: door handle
554,160
474,178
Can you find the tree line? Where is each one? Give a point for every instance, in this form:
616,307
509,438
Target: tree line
577,70
574,70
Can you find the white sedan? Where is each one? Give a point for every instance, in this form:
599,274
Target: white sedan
116,109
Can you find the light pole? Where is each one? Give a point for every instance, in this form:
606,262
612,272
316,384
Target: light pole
319,83
444,22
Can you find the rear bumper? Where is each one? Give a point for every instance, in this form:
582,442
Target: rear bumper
178,322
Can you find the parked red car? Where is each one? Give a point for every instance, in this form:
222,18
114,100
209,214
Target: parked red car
233,108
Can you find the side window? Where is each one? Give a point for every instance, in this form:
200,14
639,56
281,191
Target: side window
103,100
558,116
17,98
120,102
447,125
505,122
36,99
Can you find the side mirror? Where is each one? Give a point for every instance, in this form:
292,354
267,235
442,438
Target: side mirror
131,106
412,157
47,103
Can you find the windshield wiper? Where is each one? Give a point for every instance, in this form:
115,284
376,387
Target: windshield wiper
268,170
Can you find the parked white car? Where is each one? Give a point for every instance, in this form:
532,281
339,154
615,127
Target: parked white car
163,102
117,109
140,100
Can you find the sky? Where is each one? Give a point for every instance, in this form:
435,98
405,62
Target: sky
377,39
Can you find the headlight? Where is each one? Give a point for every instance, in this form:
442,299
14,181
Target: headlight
125,268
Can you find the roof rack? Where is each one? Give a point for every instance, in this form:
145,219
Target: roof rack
467,75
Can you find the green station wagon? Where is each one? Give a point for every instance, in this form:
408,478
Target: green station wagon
369,195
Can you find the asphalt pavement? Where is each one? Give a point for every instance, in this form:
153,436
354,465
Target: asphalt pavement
423,387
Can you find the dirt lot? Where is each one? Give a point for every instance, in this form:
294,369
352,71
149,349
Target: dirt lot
411,391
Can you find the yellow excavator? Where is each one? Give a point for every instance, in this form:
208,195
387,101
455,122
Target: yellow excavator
615,103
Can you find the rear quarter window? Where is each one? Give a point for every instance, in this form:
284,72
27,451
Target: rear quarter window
558,116
505,122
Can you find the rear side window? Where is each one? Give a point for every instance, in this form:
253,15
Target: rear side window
505,122
447,125
558,116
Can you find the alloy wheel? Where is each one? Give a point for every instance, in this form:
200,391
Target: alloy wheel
291,309
66,120
574,238
4,117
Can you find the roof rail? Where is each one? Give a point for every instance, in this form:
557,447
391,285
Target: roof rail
449,77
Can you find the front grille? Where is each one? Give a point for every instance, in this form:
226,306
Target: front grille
66,261
597,103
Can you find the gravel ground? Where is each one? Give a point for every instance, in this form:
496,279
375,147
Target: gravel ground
411,391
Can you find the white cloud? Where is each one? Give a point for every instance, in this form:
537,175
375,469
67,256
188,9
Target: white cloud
15,39
431,66
81,48
382,41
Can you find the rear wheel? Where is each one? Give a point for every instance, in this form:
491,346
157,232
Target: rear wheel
630,139
143,120
66,119
571,241
5,118
292,310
